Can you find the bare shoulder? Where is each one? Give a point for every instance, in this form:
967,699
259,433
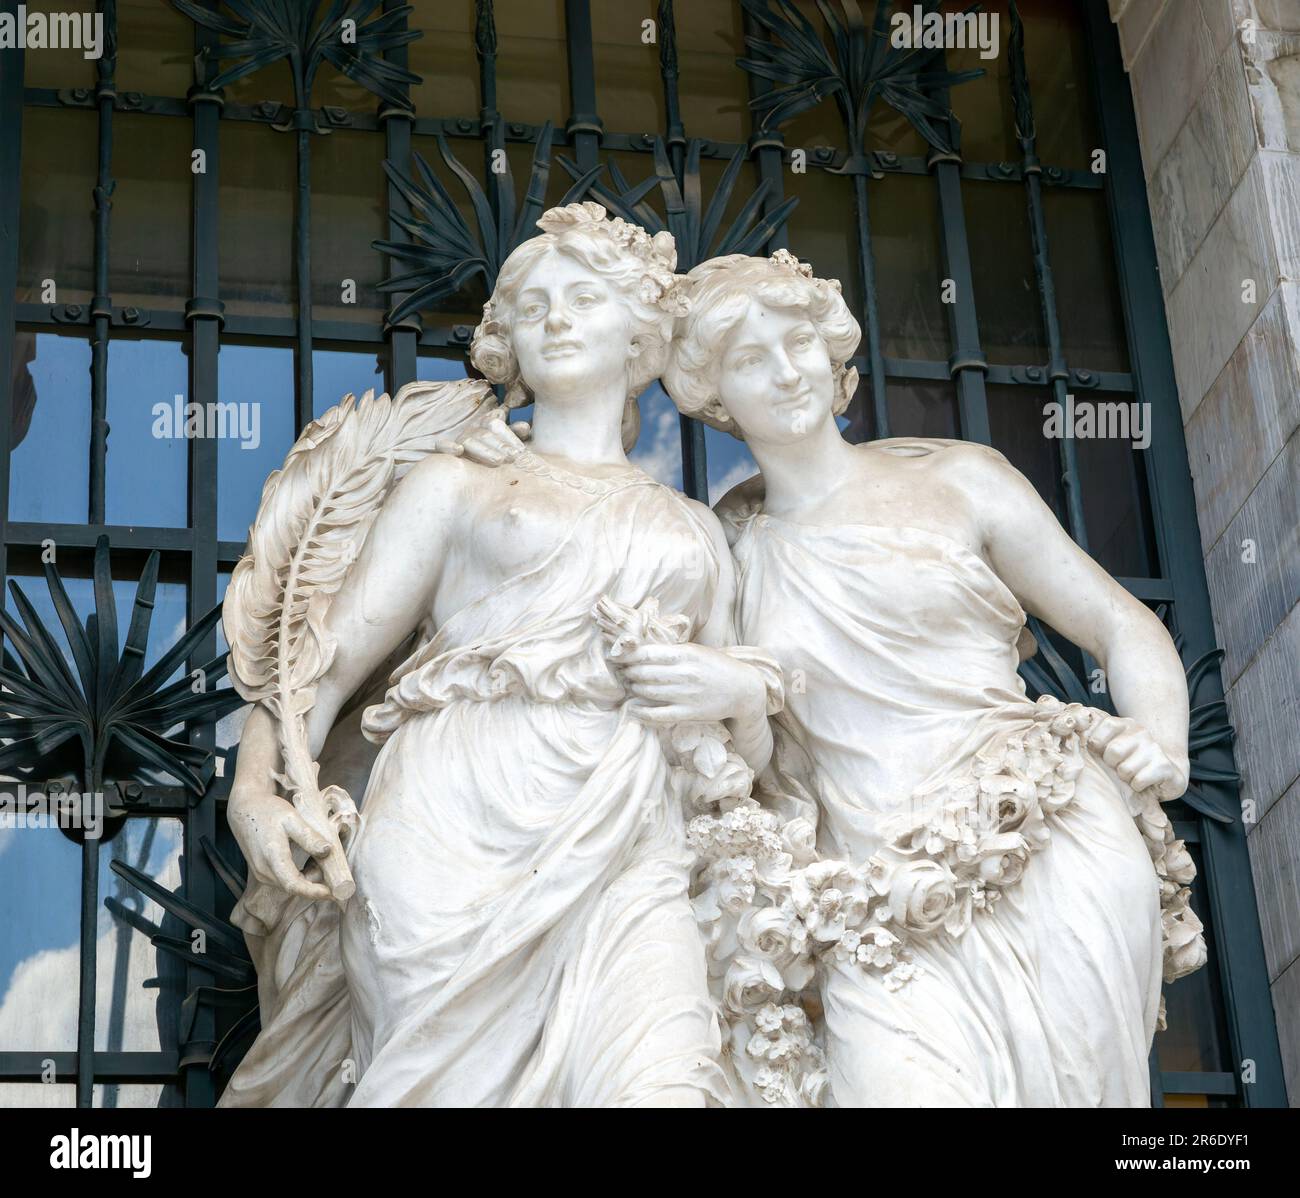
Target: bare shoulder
743,494
436,484
966,465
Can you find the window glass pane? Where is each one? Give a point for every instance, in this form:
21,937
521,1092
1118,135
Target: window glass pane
149,259
56,219
445,60
335,373
1196,1040
148,455
348,212
628,88
40,874
18,1095
729,462
1088,304
713,90
1112,479
1055,62
128,1016
260,376
255,222
821,231
231,726
1016,429
532,61
65,67
120,1096
917,408
155,49
658,449
431,367
49,464
1002,263
905,239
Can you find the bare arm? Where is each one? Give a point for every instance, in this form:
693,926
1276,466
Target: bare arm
386,593
1056,581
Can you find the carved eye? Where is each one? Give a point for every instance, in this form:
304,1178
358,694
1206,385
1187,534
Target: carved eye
803,341
585,300
533,311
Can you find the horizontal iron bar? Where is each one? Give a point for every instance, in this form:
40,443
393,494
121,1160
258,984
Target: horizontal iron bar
120,536
1218,1084
109,1066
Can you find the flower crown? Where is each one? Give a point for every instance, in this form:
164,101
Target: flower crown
661,287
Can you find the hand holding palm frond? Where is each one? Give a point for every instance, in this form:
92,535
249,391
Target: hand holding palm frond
311,525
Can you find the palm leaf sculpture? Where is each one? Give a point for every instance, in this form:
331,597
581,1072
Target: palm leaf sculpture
444,253
257,33
859,66
314,517
103,719
696,229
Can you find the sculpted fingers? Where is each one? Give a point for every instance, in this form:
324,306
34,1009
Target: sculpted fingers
1120,748
287,876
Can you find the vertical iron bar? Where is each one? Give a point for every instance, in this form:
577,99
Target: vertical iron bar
871,312
967,366
11,158
489,117
695,471
766,146
101,306
303,123
1032,169
583,126
204,317
403,338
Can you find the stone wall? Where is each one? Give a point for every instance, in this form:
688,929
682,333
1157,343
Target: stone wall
1216,87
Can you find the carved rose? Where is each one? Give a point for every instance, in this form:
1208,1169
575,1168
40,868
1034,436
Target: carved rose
920,894
750,983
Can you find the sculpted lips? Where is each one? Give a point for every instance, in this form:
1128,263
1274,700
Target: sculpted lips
561,349
795,401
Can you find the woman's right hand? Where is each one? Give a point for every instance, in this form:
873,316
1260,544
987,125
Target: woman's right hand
1136,756
266,828
495,443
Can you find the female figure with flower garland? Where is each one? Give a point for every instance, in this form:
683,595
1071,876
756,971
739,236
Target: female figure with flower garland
521,932
979,899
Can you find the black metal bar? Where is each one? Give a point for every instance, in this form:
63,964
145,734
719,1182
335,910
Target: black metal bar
584,127
204,315
109,1066
101,306
967,365
11,156
1059,376
870,309
403,338
766,146
1252,1030
304,384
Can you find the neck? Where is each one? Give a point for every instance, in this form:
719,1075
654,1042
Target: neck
802,474
587,430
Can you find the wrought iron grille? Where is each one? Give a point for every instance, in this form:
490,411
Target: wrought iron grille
834,129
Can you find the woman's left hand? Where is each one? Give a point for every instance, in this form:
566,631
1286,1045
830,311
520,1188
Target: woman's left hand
690,683
1138,759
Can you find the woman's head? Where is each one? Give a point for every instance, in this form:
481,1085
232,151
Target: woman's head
765,348
587,299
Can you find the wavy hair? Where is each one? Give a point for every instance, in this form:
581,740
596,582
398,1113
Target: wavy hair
721,291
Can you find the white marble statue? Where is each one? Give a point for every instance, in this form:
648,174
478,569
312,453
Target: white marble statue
950,895
510,922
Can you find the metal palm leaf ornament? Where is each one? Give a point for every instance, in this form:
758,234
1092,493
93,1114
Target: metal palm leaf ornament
858,65
1048,673
257,33
444,252
101,720
695,226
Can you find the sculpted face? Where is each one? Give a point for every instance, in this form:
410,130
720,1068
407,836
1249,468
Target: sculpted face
571,329
775,377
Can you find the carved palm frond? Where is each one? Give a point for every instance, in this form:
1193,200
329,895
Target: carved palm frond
855,64
104,718
257,33
444,253
696,228
1048,673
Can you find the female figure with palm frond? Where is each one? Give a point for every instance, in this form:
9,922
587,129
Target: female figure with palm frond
520,932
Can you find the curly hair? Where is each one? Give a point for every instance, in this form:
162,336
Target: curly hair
639,267
721,291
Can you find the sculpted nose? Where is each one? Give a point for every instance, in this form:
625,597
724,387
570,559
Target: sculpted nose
786,375
557,319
